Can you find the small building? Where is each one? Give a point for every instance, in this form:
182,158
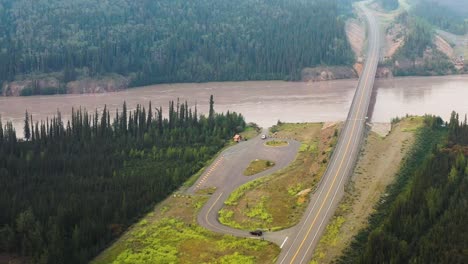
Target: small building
237,138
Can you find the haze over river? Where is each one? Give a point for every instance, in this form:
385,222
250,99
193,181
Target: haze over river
266,102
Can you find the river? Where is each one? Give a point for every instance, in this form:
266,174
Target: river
266,102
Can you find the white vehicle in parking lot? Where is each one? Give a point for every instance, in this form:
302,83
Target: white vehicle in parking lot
264,136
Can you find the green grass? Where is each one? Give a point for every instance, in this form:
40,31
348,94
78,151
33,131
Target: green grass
170,234
329,238
257,166
276,143
239,192
173,241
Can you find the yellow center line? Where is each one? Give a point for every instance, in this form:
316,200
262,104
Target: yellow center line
208,221
211,208
338,171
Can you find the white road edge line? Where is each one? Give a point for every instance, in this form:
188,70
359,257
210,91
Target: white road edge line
286,239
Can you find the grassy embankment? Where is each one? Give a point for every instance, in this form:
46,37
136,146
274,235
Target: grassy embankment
257,166
278,201
276,143
170,234
383,163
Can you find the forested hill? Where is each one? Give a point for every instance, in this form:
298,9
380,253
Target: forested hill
155,41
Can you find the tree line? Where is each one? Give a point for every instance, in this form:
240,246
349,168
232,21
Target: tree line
423,219
441,16
69,188
171,40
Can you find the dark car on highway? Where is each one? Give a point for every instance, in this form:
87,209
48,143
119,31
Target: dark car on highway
256,233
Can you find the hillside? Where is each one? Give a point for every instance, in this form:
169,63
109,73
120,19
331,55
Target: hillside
169,40
421,217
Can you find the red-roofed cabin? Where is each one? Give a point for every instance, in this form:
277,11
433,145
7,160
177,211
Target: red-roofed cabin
237,138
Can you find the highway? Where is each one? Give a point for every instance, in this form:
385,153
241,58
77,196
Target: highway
297,243
299,247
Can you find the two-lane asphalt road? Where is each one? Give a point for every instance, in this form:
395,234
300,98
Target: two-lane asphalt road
299,247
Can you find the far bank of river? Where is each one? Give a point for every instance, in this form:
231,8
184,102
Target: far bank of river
266,102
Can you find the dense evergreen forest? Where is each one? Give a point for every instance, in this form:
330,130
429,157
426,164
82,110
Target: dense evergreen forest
157,41
69,189
423,219
441,16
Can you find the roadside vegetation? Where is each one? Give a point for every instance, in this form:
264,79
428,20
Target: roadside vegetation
69,189
278,201
422,217
170,234
166,41
276,143
376,169
257,166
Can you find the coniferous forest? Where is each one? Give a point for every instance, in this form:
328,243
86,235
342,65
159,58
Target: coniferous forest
441,16
158,41
423,218
69,188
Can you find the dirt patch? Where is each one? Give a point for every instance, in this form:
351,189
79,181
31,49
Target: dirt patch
394,39
376,169
327,73
356,33
358,67
457,47
382,129
443,46
329,124
279,200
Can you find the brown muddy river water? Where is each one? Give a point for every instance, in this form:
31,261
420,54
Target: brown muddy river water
266,102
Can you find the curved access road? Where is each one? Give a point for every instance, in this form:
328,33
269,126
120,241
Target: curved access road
226,174
299,247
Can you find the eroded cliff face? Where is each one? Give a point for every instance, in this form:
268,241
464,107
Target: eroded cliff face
52,85
327,73
18,88
102,85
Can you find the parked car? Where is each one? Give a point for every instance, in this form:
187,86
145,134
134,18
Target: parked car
256,233
263,136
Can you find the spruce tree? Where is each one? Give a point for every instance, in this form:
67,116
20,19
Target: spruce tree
27,129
